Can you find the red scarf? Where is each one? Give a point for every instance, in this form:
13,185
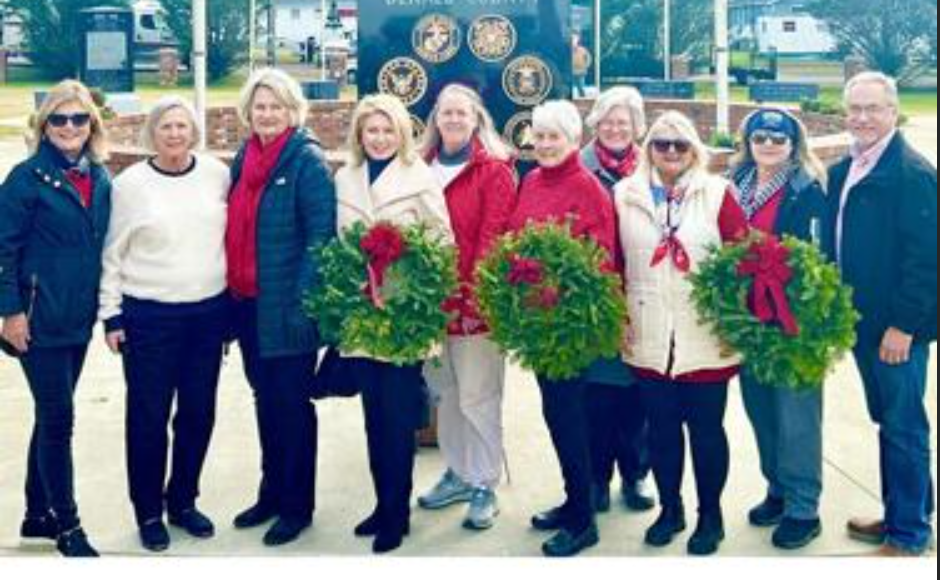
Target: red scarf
82,184
241,236
621,167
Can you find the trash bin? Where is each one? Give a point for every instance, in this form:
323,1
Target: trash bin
321,90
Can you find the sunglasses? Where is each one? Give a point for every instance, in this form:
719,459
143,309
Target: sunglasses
77,120
665,145
764,137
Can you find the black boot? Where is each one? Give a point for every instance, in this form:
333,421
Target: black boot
254,516
670,522
708,534
74,544
767,513
42,527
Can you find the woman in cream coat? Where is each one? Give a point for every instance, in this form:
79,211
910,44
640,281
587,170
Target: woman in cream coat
386,181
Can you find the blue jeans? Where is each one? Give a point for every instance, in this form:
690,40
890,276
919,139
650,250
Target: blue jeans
788,427
895,397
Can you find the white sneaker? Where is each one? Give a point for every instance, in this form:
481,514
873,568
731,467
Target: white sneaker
482,511
449,490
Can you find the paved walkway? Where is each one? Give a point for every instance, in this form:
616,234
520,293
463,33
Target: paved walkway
344,489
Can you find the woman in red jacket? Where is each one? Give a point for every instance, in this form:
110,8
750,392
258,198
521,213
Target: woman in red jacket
563,190
474,167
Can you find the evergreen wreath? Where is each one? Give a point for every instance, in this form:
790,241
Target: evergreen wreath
782,305
381,290
549,303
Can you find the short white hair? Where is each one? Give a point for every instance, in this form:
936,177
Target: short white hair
560,116
889,85
286,90
627,97
159,110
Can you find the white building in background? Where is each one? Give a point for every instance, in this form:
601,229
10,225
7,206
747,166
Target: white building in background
781,26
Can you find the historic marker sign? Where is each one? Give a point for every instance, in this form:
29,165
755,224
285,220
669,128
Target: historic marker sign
516,53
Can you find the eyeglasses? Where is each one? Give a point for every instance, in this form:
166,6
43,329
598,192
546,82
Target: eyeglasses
78,120
680,146
868,110
763,137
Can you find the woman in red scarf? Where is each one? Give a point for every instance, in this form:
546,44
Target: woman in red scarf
283,202
618,423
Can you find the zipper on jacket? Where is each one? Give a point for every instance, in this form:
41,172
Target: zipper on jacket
33,285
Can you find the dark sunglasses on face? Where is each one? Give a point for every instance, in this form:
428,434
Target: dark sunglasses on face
763,137
77,120
678,145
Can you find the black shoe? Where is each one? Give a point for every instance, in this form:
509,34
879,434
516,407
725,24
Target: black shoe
39,528
370,527
708,534
793,534
74,544
767,513
386,541
196,523
285,531
548,520
600,498
565,544
637,497
670,522
254,516
154,536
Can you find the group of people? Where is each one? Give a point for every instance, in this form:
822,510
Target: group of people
181,255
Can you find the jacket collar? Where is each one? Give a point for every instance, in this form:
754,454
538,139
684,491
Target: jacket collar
394,184
882,171
47,169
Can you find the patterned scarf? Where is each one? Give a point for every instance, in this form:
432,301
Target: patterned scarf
621,164
751,196
668,202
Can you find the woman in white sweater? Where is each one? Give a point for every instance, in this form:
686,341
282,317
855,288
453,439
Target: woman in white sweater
164,306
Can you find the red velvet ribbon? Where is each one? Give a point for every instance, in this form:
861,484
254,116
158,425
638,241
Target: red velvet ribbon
672,246
383,246
766,262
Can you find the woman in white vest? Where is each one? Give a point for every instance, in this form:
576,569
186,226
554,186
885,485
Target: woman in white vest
670,212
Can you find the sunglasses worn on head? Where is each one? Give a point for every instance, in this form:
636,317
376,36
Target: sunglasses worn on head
60,120
680,146
763,137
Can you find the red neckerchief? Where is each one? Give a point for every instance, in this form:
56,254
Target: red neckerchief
622,167
82,183
241,236
670,244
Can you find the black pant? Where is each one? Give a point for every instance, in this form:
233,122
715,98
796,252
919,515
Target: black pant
287,420
565,411
172,351
52,374
700,407
392,401
619,433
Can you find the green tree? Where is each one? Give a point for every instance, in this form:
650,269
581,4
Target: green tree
228,24
633,34
898,37
51,32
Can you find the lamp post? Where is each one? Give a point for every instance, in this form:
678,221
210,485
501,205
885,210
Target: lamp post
598,52
667,39
199,66
722,117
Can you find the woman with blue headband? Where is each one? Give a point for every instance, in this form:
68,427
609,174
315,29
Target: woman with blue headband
779,187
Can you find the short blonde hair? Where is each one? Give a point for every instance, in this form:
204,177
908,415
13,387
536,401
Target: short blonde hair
560,116
802,154
486,129
67,92
627,97
286,90
889,85
159,110
393,109
676,122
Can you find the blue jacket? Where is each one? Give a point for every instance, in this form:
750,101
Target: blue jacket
297,212
889,243
50,250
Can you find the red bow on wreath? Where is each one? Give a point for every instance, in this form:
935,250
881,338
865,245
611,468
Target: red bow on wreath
383,246
524,271
766,261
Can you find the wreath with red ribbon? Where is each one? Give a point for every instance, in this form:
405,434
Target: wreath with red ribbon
380,291
781,304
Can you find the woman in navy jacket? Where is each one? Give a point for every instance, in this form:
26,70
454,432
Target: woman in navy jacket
779,187
54,211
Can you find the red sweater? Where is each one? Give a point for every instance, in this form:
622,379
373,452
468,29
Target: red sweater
480,201
568,191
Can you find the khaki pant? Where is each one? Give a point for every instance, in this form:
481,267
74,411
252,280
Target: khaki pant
468,386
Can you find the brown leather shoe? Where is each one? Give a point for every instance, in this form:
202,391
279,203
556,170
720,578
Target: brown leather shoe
868,531
889,551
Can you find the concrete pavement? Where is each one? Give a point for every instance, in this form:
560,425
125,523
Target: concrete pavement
344,487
